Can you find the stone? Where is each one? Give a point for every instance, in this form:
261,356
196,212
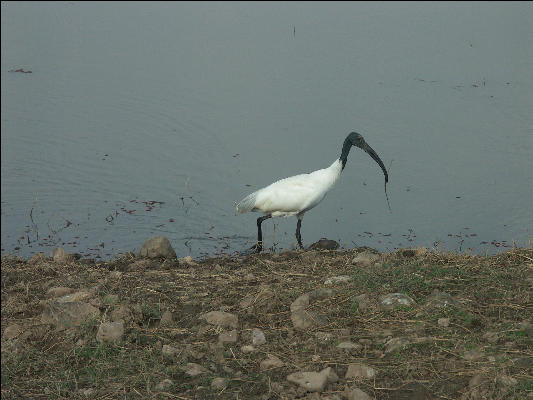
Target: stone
359,371
187,260
164,385
358,394
258,337
12,331
396,343
304,319
193,369
445,322
221,318
218,383
363,302
61,256
262,299
307,319
247,348
168,350
166,319
66,315
324,337
325,244
438,299
77,296
491,337
110,332
365,259
311,381
393,300
37,258
338,279
506,380
59,291
473,355
349,346
156,247
228,337
475,381
122,312
270,362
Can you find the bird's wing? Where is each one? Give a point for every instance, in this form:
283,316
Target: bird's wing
290,195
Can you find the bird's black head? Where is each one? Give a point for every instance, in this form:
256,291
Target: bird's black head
355,139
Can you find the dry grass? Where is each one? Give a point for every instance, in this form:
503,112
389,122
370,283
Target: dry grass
493,293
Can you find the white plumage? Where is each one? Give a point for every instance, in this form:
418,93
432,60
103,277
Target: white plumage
294,195
298,194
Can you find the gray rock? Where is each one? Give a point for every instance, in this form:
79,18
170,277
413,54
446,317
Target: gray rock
262,299
12,331
506,380
78,296
61,256
438,299
218,383
168,350
258,337
247,348
473,355
338,279
491,337
304,319
270,362
445,322
476,381
312,381
359,371
228,337
157,246
221,318
37,257
349,346
122,312
193,369
365,259
164,385
364,303
188,261
166,319
396,343
325,244
324,337
66,315
358,394
110,332
393,300
59,291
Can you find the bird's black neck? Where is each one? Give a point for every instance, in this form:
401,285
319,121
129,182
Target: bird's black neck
345,150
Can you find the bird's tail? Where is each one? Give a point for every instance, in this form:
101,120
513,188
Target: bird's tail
247,204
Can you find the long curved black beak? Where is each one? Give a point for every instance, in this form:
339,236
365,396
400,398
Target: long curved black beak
376,158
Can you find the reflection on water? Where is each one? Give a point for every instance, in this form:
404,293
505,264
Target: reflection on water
154,119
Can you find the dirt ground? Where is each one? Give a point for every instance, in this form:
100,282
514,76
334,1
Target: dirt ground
468,334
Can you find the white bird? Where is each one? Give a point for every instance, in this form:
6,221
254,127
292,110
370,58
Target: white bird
298,194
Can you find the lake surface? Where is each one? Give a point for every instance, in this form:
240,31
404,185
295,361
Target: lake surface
142,119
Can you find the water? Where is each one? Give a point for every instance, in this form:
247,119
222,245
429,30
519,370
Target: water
147,119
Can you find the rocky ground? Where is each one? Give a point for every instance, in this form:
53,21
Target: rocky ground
337,324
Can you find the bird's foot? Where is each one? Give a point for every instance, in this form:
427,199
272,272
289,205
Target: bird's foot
256,248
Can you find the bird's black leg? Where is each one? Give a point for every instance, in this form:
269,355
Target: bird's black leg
259,245
298,234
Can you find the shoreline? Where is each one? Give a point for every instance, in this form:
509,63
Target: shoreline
407,324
